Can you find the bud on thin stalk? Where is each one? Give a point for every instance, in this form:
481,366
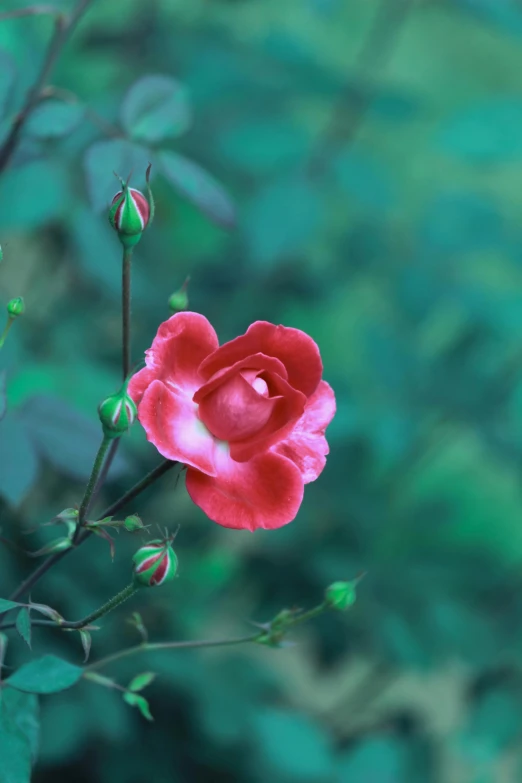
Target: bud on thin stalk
178,301
15,308
117,413
131,212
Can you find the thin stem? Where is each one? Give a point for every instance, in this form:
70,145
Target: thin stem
305,616
3,336
155,646
126,311
96,468
132,493
115,601
63,29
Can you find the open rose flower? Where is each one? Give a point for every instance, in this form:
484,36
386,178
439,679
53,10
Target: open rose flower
247,418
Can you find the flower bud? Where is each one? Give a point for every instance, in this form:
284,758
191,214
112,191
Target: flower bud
133,523
154,564
16,307
340,595
178,301
131,212
117,413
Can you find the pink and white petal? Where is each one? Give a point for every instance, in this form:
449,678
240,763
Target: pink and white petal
306,445
139,383
294,348
181,344
265,492
171,423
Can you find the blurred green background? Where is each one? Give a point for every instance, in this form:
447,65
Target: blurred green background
373,152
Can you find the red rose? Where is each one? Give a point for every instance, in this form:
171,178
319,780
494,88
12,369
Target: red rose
248,419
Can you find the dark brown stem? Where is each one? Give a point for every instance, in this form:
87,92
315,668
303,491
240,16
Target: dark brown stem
136,490
63,28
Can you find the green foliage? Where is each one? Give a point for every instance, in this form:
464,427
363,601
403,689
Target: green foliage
45,675
23,625
135,700
198,186
19,729
377,190
155,108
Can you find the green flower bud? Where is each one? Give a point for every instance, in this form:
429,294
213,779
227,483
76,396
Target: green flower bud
340,595
178,301
16,307
154,564
133,523
131,212
117,413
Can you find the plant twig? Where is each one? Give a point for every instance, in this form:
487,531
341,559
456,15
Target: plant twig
132,493
155,646
63,28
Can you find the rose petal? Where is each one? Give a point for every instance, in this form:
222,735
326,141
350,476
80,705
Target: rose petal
180,345
265,492
306,445
295,349
288,407
235,410
257,361
171,423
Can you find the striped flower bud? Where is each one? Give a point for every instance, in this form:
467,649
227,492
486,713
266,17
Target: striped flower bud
154,564
117,413
131,212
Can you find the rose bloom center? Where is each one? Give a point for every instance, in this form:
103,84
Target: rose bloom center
239,407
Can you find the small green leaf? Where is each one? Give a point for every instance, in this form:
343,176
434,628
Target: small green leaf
45,675
86,638
15,752
135,700
199,187
6,605
23,625
156,107
141,681
18,460
54,119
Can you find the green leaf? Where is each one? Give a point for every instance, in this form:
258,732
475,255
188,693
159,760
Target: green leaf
156,107
18,460
23,625
86,640
106,157
282,219
23,710
15,743
135,700
141,681
18,186
376,758
45,675
65,437
6,605
199,187
53,119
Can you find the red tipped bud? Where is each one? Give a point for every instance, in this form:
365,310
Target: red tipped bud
131,212
117,413
154,564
